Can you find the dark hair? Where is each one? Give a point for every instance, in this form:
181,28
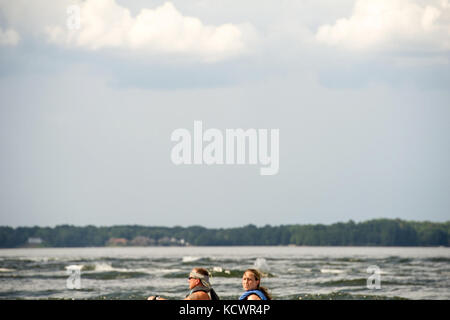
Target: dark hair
202,271
258,276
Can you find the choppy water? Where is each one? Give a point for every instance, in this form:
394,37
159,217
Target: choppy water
293,272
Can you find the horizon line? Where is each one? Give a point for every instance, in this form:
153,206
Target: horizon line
235,227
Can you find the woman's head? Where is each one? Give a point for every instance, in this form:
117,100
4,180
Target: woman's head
251,279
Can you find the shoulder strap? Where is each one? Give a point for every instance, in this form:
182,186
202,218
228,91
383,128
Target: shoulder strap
199,288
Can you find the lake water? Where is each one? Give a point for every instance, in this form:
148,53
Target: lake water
292,272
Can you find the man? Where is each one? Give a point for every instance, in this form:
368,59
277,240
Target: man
199,285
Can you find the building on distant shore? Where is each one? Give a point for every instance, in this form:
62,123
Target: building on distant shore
146,241
142,241
116,242
167,241
34,241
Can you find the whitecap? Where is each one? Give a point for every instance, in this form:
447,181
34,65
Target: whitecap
190,259
331,271
107,267
164,270
261,264
77,267
103,267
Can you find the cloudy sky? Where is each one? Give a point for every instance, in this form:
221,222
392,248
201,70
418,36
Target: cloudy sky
359,90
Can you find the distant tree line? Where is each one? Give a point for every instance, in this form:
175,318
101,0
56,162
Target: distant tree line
379,232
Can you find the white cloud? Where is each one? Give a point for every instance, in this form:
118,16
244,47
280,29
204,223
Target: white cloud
391,25
162,30
9,37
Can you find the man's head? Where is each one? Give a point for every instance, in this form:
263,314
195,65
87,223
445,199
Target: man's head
197,277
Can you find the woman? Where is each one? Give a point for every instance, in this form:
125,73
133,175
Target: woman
253,290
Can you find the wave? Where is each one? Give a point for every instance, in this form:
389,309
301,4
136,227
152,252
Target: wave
345,296
188,259
438,259
74,267
32,276
316,276
196,260
24,294
106,267
362,282
334,271
121,296
18,264
396,259
218,272
226,273
113,275
97,267
343,283
105,271
350,259
179,274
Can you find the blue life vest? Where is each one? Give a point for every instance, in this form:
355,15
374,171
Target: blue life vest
259,293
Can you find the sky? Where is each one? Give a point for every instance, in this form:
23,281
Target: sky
91,91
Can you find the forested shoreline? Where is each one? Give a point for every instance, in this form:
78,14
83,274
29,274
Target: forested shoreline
378,232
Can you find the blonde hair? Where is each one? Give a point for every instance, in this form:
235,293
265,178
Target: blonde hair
258,277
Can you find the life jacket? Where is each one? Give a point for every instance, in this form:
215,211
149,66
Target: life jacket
259,293
210,291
